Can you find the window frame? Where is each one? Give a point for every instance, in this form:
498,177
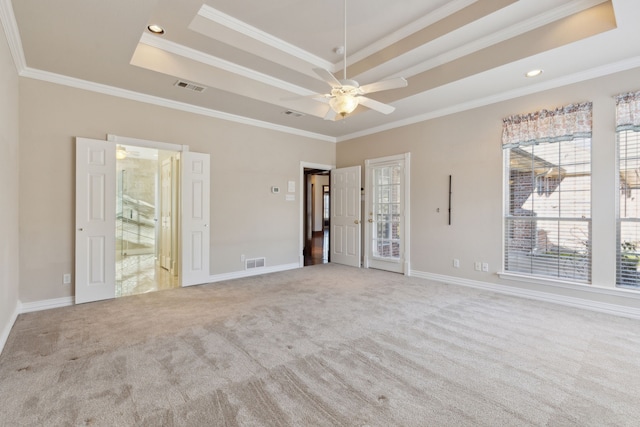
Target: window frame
635,252
575,267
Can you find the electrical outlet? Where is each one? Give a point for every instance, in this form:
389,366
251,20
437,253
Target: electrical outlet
456,263
478,266
485,267
66,279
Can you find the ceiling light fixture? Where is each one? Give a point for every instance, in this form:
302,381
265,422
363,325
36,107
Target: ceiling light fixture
155,29
347,94
534,73
344,99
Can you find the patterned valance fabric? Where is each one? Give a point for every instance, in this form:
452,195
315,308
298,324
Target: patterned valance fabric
562,124
628,111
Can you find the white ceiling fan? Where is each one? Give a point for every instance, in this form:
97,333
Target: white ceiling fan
347,94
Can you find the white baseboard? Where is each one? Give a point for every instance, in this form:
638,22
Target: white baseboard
252,272
28,307
6,330
68,301
585,303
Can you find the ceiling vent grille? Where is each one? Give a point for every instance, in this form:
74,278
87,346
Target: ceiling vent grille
190,86
292,113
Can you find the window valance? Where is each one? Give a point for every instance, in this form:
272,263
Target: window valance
562,124
628,111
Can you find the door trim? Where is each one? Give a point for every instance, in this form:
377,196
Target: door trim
115,139
147,143
406,230
301,184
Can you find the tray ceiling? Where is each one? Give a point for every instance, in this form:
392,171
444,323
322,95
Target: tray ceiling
255,58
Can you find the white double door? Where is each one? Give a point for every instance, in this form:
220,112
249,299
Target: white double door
95,219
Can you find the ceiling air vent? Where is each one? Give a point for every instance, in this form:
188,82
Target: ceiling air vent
292,113
191,86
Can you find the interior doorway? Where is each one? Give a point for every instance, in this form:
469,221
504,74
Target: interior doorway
316,216
146,220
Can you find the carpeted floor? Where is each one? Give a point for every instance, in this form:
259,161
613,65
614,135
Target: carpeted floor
321,346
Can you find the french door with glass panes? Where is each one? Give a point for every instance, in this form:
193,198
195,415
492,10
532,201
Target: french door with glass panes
387,221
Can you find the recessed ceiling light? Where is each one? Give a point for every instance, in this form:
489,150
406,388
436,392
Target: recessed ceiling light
534,73
155,29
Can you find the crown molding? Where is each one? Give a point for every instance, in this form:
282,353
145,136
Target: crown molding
163,102
404,32
241,27
592,73
453,53
210,60
8,20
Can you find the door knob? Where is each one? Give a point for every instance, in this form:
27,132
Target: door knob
356,222
370,220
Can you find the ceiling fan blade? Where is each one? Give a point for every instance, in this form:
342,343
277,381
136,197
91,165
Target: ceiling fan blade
328,77
318,97
331,115
376,105
395,83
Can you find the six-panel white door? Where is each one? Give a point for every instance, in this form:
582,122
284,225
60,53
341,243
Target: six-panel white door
195,187
345,216
95,269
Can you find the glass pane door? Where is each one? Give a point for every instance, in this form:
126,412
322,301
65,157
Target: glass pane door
385,215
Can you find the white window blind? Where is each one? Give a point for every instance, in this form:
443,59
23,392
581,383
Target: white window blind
628,137
547,215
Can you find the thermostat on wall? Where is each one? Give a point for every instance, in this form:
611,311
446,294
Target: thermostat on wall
275,190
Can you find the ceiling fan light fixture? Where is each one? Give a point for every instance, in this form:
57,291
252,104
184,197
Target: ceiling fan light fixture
347,94
344,104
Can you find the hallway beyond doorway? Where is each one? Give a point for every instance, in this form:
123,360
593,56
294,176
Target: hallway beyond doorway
139,274
146,223
319,248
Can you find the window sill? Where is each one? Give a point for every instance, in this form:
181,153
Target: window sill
615,291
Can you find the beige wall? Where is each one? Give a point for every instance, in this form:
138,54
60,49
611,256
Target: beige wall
246,218
467,146
9,274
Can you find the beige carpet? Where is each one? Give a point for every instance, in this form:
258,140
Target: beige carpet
321,346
